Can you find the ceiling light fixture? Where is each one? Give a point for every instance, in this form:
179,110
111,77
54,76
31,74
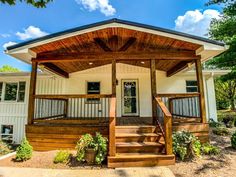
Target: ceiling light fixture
142,62
90,63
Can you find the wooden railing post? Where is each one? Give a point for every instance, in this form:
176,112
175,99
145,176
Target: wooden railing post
201,90
112,127
66,108
153,89
32,89
167,126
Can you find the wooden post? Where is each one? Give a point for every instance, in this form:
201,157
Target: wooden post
65,108
153,89
113,67
112,128
32,89
200,90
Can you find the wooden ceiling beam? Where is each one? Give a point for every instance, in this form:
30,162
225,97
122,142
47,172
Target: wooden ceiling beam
102,56
102,44
128,43
177,68
55,69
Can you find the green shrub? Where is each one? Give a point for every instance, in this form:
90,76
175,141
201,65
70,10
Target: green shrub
214,124
4,148
209,149
186,145
98,143
222,131
101,148
24,151
233,140
229,121
61,157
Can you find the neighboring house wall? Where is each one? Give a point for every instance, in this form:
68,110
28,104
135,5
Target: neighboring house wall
16,113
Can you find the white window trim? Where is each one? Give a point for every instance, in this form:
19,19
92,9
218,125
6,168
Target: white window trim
4,91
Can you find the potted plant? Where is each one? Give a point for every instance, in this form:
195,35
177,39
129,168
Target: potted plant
91,149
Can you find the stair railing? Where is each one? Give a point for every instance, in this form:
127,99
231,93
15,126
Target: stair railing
112,127
167,125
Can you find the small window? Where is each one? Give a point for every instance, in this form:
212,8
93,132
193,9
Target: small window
93,88
191,86
1,85
11,91
21,92
7,133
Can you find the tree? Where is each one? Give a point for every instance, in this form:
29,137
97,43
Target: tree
7,68
224,29
35,3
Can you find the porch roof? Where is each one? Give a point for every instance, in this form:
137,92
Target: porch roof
127,42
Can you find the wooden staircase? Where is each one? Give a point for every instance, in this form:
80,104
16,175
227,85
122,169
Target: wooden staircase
139,146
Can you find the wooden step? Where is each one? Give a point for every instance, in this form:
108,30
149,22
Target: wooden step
139,147
138,137
135,129
140,160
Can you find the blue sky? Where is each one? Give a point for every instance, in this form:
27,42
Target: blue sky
23,22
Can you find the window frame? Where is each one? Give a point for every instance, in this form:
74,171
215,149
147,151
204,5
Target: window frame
191,86
93,100
2,98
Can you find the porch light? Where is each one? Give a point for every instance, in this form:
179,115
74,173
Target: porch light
142,62
90,63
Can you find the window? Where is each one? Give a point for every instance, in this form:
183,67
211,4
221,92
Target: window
7,133
12,91
21,92
191,86
1,85
93,88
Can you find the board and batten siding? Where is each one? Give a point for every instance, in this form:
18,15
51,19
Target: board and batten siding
16,113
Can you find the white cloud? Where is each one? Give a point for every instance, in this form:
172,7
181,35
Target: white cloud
102,5
5,35
196,22
10,43
30,33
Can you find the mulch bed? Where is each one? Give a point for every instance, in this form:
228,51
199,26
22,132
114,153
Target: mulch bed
222,165
45,160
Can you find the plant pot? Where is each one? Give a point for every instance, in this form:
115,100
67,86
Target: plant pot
90,155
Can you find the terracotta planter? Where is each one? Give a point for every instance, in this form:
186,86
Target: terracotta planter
90,155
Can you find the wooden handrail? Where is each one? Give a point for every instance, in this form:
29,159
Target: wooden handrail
112,127
66,96
167,126
177,95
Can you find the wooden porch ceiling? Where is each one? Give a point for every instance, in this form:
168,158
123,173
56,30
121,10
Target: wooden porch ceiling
127,46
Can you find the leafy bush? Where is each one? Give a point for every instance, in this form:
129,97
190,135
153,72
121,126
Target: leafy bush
229,121
222,131
209,149
61,157
233,140
186,145
98,143
101,143
4,148
86,141
214,124
24,151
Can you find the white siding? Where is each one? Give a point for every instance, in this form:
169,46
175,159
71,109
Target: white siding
16,113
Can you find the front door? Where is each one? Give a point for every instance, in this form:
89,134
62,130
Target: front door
130,106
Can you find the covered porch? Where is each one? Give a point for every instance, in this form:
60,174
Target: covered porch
118,112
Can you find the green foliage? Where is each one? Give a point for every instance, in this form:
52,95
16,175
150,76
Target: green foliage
101,143
4,148
35,3
214,124
61,157
86,141
209,149
98,143
233,140
222,131
186,145
24,151
7,68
